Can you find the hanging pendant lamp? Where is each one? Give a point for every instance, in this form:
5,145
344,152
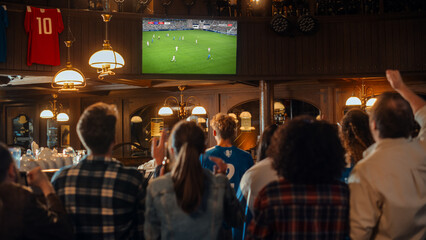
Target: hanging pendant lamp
69,79
106,59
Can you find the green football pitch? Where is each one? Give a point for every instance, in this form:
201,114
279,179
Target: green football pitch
191,57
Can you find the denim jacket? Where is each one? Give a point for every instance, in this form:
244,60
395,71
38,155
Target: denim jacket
164,219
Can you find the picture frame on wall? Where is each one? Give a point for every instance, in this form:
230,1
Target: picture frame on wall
65,135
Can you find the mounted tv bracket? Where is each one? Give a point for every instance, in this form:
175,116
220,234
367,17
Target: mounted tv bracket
166,4
189,4
143,4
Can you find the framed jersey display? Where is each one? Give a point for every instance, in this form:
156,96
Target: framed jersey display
43,27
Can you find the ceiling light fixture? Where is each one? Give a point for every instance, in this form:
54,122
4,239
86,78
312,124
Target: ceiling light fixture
106,59
365,100
53,112
69,79
183,105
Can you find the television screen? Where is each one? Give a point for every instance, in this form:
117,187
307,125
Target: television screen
189,46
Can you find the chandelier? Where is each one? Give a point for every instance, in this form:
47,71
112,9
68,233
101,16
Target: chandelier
106,59
53,112
182,106
366,97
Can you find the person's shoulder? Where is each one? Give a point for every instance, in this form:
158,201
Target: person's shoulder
211,150
9,188
161,185
243,153
129,174
63,172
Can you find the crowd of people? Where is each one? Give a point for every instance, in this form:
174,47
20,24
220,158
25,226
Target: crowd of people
364,178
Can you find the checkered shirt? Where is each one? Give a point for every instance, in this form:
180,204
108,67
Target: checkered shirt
104,199
299,211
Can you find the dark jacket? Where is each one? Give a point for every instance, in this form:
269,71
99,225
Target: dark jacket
23,216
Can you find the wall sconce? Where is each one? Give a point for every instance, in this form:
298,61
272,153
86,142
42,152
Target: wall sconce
166,110
366,99
54,113
106,59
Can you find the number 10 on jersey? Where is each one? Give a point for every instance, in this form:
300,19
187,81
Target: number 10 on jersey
46,27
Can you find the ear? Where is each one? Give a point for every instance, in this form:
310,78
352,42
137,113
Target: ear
214,133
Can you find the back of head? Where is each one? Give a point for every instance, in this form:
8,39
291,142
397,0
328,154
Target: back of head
355,134
307,151
96,127
5,161
188,142
224,125
393,116
265,141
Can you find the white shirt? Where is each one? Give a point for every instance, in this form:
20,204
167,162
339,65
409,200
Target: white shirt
388,189
256,178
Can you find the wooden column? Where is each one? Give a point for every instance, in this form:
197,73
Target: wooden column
266,108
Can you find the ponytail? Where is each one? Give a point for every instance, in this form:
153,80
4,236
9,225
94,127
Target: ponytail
188,178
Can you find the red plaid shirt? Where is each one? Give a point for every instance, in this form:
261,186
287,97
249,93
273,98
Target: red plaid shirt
301,211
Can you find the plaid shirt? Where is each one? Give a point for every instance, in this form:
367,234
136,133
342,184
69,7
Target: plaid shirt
103,199
300,211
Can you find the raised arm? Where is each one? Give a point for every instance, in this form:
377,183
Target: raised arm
395,80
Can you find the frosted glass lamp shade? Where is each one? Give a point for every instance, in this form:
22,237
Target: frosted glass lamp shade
136,119
371,102
106,58
353,101
69,76
46,114
165,111
62,117
199,110
278,106
245,114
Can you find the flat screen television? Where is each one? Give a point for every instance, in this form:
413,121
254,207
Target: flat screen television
189,46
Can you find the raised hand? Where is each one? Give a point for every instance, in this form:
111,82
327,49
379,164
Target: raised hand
158,148
220,166
395,79
37,178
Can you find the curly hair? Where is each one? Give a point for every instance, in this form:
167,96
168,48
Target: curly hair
307,151
96,127
224,125
355,134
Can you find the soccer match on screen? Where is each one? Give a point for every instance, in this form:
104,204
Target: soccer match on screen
188,46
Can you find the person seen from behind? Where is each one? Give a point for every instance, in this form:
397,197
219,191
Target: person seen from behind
104,199
356,138
22,214
188,202
388,186
308,201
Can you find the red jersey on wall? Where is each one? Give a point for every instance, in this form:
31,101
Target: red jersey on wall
43,27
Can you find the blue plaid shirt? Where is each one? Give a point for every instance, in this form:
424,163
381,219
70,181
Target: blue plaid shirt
104,199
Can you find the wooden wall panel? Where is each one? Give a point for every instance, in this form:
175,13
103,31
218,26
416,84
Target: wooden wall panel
343,46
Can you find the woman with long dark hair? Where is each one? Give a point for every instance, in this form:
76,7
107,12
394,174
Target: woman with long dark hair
356,138
189,202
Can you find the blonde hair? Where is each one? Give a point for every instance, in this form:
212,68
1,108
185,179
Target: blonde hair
224,125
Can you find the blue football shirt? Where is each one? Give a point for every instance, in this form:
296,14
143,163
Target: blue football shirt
3,25
238,162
